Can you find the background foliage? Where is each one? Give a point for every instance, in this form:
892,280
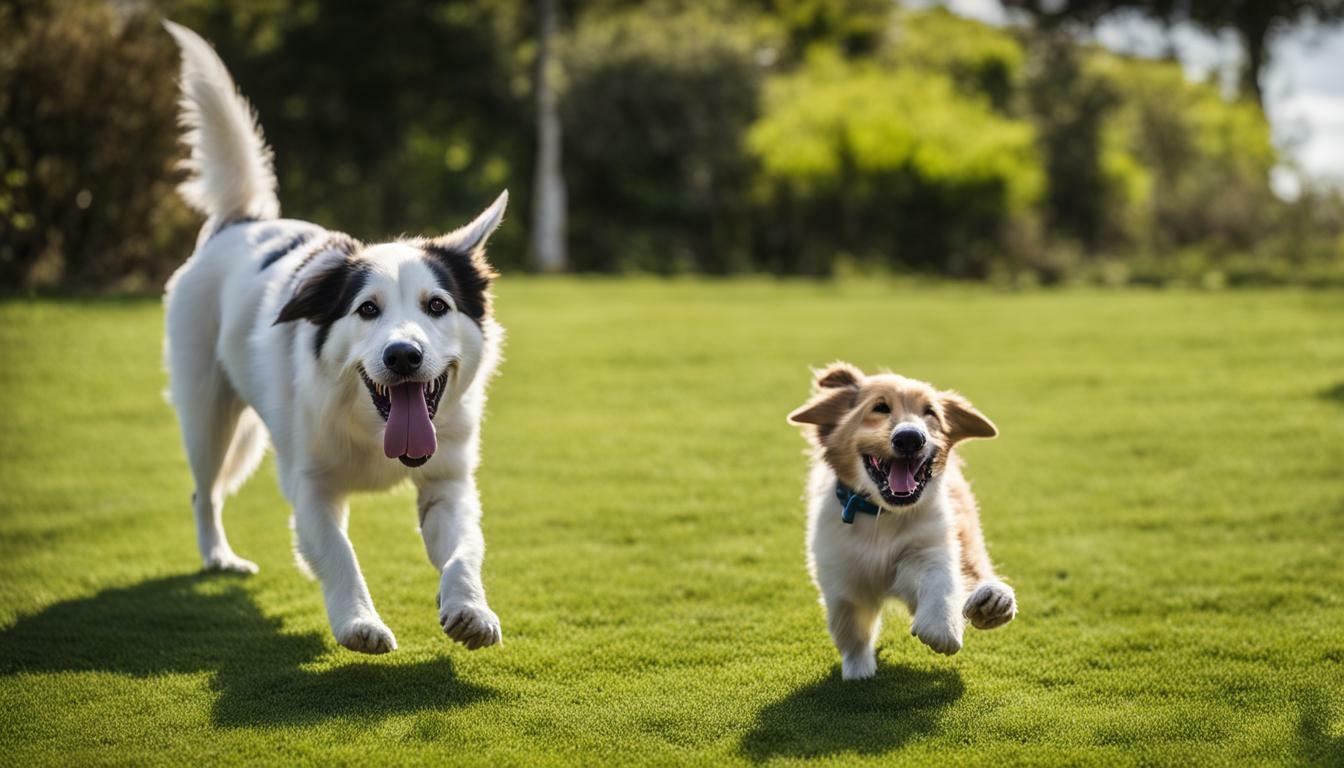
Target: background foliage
718,136
87,143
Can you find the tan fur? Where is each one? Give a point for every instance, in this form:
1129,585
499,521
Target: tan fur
975,564
843,389
851,416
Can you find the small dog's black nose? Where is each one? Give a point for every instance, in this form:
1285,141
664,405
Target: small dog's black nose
402,357
907,440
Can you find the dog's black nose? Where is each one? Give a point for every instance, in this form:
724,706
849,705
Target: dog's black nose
402,357
907,440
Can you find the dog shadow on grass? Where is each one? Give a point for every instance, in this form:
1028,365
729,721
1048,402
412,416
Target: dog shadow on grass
1335,393
209,623
1315,744
834,716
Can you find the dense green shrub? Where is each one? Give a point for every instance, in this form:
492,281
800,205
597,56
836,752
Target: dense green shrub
655,108
1153,177
853,26
1069,106
1196,164
895,163
978,57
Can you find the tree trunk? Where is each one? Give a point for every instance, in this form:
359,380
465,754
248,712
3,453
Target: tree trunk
1253,27
548,202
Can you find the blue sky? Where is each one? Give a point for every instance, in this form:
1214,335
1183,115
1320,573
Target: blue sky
1304,84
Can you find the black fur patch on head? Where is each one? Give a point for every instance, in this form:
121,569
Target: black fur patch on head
465,275
325,297
335,241
284,248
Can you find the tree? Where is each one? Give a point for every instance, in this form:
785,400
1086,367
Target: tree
1253,21
548,208
1070,107
656,105
88,140
411,129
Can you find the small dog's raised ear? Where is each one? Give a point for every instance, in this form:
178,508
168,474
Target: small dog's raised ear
837,388
839,374
963,420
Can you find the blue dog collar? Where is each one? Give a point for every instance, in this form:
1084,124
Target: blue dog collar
853,502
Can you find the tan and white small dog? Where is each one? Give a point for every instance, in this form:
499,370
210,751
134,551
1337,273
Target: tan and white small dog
890,514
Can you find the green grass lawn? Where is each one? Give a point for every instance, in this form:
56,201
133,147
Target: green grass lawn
1167,497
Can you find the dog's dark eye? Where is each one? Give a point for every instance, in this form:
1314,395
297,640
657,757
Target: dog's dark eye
437,306
368,310
881,408
928,411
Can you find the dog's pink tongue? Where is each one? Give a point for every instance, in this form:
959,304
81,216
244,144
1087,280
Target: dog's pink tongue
901,476
409,431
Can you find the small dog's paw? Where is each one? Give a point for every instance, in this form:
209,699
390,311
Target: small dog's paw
858,666
228,562
367,636
471,624
991,605
941,633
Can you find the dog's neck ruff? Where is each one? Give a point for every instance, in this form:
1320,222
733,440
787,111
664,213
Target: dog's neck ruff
851,502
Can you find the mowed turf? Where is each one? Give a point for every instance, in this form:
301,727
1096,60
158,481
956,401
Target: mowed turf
1167,497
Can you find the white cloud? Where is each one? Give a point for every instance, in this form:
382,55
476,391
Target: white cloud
989,11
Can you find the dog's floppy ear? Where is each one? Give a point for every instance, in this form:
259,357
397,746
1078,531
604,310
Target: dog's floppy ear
826,409
837,388
963,420
327,286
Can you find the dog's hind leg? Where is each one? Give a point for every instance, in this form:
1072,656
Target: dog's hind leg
218,449
245,451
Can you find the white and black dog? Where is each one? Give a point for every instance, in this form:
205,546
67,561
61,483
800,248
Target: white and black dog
366,364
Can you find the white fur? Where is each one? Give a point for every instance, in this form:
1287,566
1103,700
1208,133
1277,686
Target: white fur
910,553
237,376
230,164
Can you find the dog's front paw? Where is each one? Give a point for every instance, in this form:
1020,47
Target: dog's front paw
991,605
471,624
227,562
941,633
367,635
858,666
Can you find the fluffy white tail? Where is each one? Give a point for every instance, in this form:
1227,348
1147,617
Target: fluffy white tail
230,164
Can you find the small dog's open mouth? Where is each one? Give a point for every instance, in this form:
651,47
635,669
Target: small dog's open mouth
408,408
899,479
